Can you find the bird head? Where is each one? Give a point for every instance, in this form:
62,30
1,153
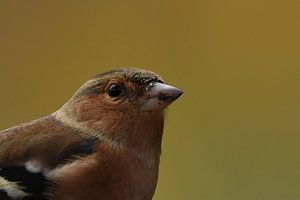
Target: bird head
120,100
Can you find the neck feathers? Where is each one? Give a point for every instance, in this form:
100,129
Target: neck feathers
136,131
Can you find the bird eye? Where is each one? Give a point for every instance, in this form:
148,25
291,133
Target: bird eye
115,90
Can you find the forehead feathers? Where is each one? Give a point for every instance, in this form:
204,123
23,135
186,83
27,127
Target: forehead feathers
138,76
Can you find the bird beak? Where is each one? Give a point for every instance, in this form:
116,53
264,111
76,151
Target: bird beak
159,96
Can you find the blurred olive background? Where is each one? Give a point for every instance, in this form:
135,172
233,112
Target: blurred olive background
233,135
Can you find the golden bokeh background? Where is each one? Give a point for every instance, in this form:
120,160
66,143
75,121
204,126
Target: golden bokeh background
233,135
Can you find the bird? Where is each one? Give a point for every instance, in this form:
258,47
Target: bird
104,143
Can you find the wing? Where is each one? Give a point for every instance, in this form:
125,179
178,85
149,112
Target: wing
29,151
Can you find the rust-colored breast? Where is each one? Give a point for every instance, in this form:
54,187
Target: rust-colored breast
109,174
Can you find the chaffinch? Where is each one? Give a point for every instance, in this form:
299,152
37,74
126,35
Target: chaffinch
104,143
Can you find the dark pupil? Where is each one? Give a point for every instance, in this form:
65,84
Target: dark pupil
115,90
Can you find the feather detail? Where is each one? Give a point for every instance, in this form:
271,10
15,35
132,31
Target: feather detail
46,145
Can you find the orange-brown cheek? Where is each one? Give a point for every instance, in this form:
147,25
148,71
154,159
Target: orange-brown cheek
100,107
86,107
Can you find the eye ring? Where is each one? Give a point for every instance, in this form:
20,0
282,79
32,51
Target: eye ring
115,90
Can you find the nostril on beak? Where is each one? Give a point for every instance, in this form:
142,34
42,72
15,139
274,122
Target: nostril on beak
160,95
